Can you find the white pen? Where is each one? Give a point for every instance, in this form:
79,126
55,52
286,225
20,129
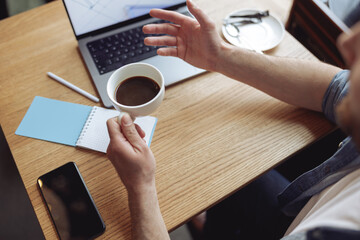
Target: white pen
72,86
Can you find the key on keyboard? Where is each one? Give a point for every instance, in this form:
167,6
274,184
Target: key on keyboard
112,52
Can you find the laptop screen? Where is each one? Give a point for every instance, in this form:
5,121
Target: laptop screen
91,15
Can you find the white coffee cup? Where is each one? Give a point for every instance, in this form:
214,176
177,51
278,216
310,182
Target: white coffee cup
134,70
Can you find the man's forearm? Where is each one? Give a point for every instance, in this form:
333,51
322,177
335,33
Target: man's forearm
146,219
298,82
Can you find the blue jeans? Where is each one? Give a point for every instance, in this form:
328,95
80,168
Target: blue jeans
251,213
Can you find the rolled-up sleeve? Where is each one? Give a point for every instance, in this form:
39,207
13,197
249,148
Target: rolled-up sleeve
336,91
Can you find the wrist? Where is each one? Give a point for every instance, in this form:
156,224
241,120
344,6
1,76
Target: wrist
138,190
142,197
224,56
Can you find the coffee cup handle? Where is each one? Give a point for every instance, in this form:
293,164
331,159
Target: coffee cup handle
121,115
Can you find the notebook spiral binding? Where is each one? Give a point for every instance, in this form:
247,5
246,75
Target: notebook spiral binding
86,125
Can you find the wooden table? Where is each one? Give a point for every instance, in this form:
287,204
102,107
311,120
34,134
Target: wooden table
214,135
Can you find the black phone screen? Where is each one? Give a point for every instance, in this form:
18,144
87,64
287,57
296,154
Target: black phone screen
70,204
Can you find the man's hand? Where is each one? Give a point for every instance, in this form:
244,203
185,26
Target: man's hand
135,164
196,41
348,111
130,155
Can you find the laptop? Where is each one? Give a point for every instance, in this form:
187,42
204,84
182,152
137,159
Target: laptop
17,216
109,34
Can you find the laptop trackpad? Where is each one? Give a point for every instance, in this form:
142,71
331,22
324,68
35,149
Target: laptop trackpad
173,69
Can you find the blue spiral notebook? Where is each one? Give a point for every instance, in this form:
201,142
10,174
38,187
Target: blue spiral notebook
74,124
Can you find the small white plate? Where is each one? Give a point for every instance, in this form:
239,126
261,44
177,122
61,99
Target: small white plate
263,36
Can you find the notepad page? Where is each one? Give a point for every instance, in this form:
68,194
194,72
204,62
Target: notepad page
54,120
95,135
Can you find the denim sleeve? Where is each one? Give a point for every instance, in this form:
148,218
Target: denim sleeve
336,91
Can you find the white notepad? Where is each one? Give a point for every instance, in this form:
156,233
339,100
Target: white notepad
74,124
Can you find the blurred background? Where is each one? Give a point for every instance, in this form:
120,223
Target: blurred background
12,7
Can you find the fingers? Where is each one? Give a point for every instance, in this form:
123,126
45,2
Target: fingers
203,19
163,28
166,28
161,41
168,52
345,46
179,18
347,42
140,131
171,16
118,142
130,132
114,130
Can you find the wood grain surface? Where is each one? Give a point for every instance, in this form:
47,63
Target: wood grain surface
214,135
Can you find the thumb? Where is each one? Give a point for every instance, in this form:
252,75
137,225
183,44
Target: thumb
130,132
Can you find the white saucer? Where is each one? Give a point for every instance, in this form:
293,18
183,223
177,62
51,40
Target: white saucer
264,35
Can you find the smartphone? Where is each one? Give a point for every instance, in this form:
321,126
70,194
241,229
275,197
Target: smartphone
70,204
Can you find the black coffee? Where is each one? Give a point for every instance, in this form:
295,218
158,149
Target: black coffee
136,91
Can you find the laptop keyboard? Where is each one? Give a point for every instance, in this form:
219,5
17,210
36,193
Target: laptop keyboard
114,51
